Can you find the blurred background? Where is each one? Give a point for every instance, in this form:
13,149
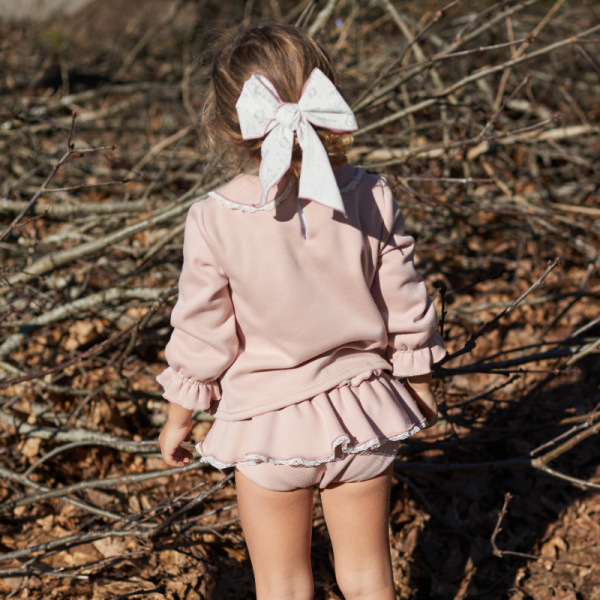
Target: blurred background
484,117
38,10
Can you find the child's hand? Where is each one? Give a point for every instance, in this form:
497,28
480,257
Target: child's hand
177,429
420,389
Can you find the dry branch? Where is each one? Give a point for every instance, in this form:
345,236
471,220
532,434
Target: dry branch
94,484
470,79
485,124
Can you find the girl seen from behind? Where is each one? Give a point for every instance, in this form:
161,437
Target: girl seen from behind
298,306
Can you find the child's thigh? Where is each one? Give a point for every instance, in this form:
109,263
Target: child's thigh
277,527
357,518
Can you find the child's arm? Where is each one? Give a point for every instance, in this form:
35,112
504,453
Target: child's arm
420,389
401,296
204,341
407,310
177,430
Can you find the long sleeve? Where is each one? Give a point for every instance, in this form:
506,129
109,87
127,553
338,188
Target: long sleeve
399,292
204,341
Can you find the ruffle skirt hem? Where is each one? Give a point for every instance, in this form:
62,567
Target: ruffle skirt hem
357,416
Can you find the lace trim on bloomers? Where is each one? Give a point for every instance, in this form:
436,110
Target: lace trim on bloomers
343,441
274,203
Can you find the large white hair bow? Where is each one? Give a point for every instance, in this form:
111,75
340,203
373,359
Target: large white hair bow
261,112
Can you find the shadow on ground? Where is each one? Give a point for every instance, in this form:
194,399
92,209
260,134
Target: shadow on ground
448,555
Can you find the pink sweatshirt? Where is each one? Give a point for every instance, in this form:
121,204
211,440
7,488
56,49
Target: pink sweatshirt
267,318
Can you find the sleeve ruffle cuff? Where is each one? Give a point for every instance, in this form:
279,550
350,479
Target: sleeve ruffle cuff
190,394
410,363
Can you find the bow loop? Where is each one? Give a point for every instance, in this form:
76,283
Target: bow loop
261,113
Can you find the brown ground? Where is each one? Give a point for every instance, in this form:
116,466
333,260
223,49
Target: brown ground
532,376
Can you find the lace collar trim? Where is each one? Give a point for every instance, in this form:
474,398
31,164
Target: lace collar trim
249,208
279,199
355,181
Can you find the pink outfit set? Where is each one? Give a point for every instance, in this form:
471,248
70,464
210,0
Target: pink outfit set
291,320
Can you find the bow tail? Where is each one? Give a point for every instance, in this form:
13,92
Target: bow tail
317,181
276,157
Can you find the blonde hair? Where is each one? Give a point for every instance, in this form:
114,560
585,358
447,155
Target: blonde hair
286,56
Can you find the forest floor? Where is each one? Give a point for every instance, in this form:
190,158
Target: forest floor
485,119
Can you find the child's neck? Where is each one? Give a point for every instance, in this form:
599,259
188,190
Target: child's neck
343,175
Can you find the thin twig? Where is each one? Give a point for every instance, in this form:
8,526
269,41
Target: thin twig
167,522
497,529
470,344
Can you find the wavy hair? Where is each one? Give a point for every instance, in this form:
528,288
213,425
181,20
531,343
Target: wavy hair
286,56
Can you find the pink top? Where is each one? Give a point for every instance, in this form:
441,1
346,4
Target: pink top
279,304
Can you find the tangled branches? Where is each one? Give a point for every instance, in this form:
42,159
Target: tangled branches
485,122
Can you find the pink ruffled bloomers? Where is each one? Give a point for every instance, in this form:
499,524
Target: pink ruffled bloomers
357,416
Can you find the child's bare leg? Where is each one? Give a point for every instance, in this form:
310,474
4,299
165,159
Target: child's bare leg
278,528
357,517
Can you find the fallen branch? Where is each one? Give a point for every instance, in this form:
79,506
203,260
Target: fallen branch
470,79
92,484
470,344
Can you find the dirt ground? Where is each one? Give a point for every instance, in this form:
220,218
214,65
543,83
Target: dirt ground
497,177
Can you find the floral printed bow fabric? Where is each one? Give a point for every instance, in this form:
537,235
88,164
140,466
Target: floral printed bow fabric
261,112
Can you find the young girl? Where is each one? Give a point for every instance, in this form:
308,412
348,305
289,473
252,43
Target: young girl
298,305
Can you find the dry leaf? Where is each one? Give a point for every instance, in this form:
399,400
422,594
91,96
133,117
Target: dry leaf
550,550
155,463
172,561
75,557
31,447
110,546
566,595
146,502
46,523
99,498
134,504
105,412
177,587
81,332
136,312
239,555
584,572
11,583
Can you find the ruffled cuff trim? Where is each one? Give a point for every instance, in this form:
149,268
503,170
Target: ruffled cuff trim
410,363
190,394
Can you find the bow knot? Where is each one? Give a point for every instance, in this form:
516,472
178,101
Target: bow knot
288,115
261,113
